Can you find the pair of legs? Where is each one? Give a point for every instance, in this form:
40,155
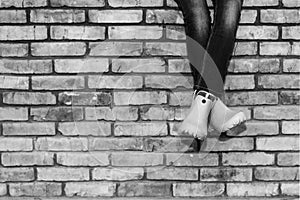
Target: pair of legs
209,66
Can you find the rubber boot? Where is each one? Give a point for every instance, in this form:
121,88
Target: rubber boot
223,119
196,122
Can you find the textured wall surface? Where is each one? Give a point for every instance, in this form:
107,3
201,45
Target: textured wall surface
90,91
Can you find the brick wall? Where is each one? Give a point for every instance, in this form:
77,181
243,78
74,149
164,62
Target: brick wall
90,91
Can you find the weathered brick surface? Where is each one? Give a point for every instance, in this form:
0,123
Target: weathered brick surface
89,189
274,173
115,16
58,49
22,3
80,3
61,144
92,92
23,32
85,128
252,189
12,16
30,98
35,189
13,50
27,159
172,174
77,32
28,128
62,174
198,189
135,159
246,159
118,174
57,16
16,174
226,174
25,66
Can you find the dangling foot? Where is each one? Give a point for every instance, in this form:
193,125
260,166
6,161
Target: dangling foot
224,119
196,122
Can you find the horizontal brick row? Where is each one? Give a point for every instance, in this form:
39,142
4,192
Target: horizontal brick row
23,174
141,65
113,48
233,82
159,16
11,144
66,113
118,3
140,189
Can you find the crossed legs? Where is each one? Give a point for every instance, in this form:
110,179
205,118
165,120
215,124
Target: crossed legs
218,41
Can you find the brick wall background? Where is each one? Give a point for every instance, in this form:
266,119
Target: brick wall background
90,91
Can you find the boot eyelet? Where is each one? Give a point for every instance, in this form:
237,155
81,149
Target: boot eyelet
203,101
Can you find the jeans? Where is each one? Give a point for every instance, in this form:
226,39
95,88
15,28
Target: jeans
218,42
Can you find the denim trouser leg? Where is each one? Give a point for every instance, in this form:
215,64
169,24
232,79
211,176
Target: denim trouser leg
218,42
